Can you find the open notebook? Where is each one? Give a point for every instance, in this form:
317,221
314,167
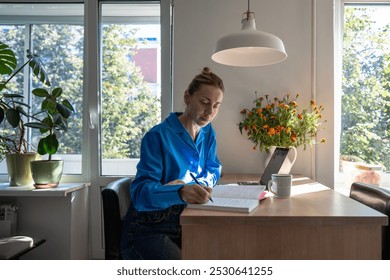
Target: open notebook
233,197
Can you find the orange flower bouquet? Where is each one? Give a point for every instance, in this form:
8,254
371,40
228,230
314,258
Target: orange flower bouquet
279,122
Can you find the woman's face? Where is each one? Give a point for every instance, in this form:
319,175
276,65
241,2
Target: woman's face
204,104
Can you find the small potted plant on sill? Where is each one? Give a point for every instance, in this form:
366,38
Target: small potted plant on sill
13,113
51,122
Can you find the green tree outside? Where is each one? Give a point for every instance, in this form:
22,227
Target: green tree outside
128,107
61,48
365,128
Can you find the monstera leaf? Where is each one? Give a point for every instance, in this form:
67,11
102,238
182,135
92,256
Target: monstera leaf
12,105
8,65
7,60
37,68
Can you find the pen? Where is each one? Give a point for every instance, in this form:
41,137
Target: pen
196,181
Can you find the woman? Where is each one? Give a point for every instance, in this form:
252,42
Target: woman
183,145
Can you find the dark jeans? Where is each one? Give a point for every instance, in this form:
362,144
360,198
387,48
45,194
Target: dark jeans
152,235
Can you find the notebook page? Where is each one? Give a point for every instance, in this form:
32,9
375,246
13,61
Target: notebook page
238,191
232,202
228,204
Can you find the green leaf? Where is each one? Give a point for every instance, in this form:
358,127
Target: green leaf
62,127
1,115
13,117
21,104
51,144
67,104
37,125
61,123
56,92
8,61
41,147
64,111
21,110
48,121
37,68
41,92
8,95
49,105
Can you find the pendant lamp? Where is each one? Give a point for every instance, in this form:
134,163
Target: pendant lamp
249,47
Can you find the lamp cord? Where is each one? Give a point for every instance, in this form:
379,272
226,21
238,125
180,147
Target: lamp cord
248,12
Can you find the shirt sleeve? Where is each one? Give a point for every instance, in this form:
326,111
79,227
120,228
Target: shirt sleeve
213,169
147,192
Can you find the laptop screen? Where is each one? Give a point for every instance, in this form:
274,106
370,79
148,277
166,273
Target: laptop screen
274,165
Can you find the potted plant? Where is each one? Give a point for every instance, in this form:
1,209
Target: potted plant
280,123
51,122
13,113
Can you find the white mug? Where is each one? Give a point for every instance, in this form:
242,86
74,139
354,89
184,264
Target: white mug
280,185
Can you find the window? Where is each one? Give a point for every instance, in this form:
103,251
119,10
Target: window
111,67
58,40
365,100
130,82
130,76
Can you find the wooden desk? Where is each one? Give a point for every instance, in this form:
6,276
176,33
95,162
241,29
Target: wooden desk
314,223
59,215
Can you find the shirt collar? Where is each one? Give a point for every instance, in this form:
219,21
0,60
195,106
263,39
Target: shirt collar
175,123
178,127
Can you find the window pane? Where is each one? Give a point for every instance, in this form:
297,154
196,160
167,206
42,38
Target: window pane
58,41
60,46
364,143
130,84
11,35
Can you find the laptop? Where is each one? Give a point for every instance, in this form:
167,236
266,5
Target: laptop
273,167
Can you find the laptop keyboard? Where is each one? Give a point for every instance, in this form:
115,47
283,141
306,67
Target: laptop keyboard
248,183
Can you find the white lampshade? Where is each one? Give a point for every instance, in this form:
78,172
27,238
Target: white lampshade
249,47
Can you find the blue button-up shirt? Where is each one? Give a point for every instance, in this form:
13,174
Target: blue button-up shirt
169,153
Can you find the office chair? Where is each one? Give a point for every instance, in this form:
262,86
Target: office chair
116,201
13,247
378,199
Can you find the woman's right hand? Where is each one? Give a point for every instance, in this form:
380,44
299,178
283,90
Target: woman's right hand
195,193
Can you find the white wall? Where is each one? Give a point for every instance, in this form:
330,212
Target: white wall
198,25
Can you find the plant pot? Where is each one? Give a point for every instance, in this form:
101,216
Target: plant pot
18,166
288,161
46,173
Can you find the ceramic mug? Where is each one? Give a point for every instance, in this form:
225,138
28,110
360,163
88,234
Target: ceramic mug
280,185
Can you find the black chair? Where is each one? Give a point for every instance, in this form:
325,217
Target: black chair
378,199
116,201
13,247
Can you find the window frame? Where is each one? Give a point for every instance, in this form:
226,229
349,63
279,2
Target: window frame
338,43
90,170
28,21
127,165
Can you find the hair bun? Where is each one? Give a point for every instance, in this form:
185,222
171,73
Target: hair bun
206,77
206,70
